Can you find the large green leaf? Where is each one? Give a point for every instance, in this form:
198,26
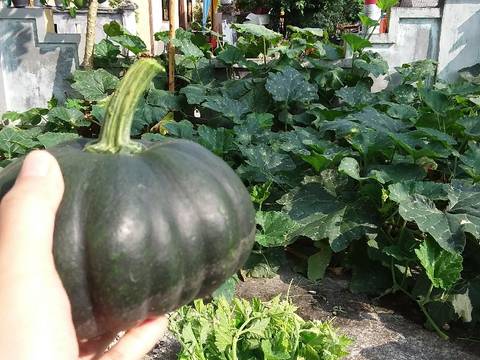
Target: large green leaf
464,206
290,85
50,139
255,127
447,226
94,84
317,263
121,36
14,142
371,143
194,93
163,99
68,118
359,94
376,120
356,42
113,28
188,48
264,164
436,100
444,228
386,5
350,167
301,141
471,161
219,141
471,124
418,71
442,267
106,52
276,228
325,217
419,146
375,67
231,55
227,106
395,173
182,129
402,111
258,31
130,42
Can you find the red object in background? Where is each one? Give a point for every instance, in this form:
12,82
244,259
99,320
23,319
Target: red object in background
370,2
383,28
262,11
213,42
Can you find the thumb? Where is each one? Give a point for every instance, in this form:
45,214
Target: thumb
27,211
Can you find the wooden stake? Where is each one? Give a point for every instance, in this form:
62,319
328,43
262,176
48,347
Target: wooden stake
173,19
90,34
183,14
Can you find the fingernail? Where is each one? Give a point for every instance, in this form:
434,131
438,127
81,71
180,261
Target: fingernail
36,164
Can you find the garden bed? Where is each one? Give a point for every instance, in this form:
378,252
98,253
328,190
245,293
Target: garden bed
379,332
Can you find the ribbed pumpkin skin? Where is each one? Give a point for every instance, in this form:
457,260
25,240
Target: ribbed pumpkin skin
140,235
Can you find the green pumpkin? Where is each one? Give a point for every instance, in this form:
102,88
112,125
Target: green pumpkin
143,228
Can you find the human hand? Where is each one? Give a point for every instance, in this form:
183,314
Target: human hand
35,316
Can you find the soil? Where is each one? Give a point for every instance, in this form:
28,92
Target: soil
380,331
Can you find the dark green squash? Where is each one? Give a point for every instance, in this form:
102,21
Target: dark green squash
143,228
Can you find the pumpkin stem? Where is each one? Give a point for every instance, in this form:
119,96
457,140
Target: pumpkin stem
115,133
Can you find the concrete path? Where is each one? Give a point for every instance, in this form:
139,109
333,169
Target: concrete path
379,333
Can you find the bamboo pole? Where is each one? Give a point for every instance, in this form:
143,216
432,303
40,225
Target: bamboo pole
173,19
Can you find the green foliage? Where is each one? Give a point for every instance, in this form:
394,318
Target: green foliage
253,330
325,14
385,183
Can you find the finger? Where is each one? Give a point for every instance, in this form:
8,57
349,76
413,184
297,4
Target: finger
34,308
95,347
137,342
27,212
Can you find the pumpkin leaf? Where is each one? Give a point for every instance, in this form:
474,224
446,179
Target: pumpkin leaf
106,52
258,31
195,93
317,263
354,96
94,84
219,141
51,139
356,42
277,229
442,267
289,85
70,118
227,106
14,142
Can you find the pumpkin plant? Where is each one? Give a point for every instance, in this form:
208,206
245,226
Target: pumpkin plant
142,229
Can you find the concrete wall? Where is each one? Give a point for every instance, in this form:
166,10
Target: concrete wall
450,36
413,35
460,37
65,24
34,64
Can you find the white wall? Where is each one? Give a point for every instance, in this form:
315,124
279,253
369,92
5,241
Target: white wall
460,37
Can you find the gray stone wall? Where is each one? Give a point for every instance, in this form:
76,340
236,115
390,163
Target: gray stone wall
460,37
34,65
450,36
